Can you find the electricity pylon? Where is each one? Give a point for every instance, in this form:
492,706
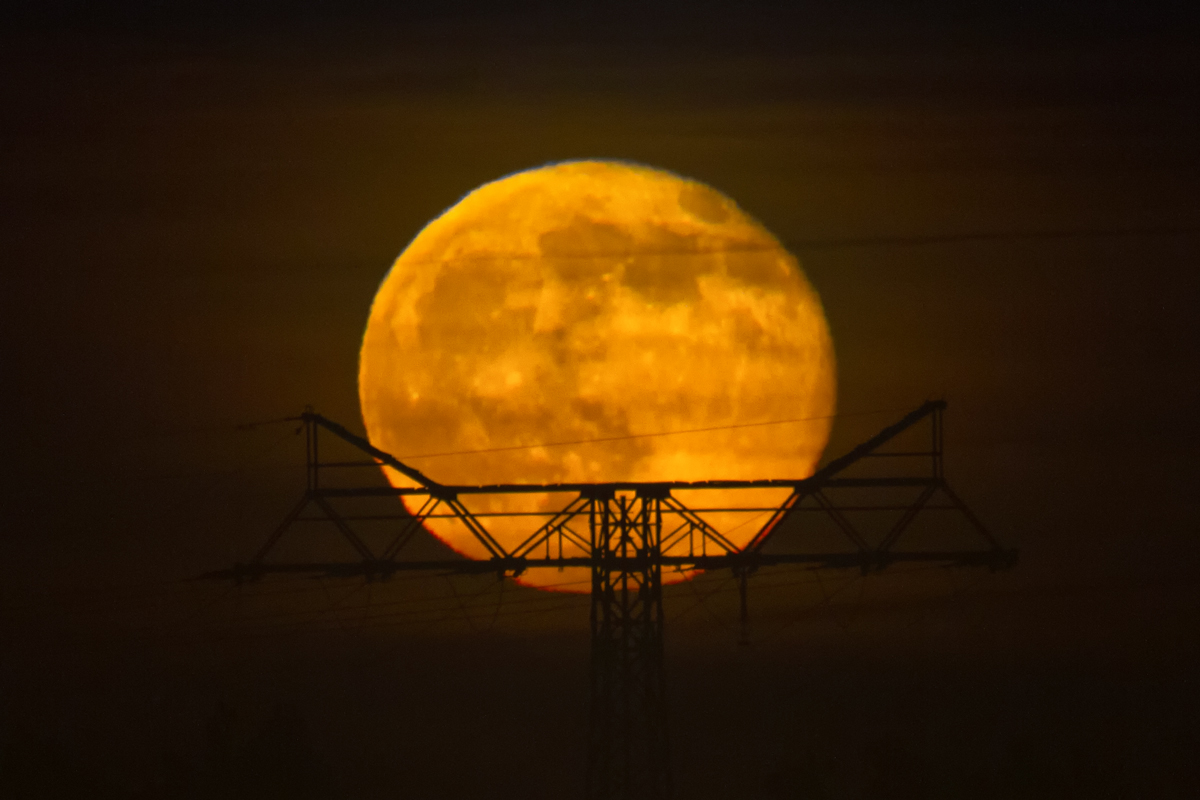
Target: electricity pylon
625,533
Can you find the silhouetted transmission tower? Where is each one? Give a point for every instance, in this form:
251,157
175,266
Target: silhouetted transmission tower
626,533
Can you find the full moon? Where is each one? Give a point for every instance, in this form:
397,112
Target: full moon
595,321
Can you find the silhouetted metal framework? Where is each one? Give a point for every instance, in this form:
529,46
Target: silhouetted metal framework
626,533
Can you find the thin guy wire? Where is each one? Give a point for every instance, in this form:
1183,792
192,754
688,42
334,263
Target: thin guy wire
649,435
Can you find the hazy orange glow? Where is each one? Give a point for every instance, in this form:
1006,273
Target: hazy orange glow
589,300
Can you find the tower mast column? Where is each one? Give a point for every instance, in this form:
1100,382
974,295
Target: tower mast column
628,753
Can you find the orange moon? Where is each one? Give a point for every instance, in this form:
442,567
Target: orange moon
595,300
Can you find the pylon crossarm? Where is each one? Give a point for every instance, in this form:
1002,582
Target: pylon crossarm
344,529
552,526
677,534
281,528
974,520
567,533
700,525
798,484
475,527
840,520
906,519
776,520
825,477
993,559
411,526
370,449
870,561
826,472
681,537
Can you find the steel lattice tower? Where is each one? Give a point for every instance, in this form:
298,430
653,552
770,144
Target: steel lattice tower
633,531
628,754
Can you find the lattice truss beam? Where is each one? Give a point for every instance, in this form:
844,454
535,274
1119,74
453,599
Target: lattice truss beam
572,536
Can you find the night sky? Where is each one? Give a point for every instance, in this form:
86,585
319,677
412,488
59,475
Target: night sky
997,207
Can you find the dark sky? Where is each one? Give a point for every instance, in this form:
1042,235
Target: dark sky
997,206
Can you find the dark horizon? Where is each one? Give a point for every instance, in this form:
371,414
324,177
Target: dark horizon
997,207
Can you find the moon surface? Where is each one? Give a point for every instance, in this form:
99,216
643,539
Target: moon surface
596,300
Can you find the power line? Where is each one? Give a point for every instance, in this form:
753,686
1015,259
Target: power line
649,435
424,607
541,603
988,236
819,244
